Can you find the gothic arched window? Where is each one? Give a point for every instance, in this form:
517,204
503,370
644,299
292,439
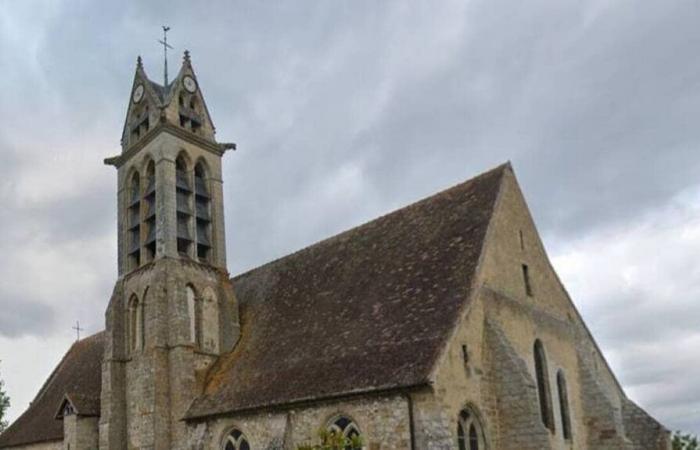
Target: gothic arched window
236,440
346,427
192,314
149,200
134,325
183,205
134,221
543,391
470,434
202,212
564,405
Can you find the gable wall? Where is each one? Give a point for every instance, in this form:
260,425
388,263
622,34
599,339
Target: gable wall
499,330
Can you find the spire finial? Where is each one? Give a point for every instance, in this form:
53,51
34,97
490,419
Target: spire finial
166,46
139,63
186,58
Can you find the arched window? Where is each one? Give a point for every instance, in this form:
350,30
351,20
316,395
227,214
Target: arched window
470,434
543,391
202,212
347,428
210,321
564,405
134,325
192,314
149,200
183,205
134,221
236,440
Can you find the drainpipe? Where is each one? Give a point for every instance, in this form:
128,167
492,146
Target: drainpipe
411,427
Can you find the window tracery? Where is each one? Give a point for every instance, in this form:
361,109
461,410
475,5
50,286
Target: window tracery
470,434
236,440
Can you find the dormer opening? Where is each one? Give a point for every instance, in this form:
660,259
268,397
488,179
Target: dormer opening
202,213
183,192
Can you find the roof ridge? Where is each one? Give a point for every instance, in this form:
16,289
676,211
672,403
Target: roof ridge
500,167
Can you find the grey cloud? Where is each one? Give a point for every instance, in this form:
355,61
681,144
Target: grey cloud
24,316
347,110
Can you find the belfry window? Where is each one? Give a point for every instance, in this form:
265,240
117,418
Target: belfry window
149,203
470,435
563,405
236,440
347,428
543,391
134,221
203,213
183,188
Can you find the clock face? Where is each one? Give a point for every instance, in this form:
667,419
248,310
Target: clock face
138,93
189,84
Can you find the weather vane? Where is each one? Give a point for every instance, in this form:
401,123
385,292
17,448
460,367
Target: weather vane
166,46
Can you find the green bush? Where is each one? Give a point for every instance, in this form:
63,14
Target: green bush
329,440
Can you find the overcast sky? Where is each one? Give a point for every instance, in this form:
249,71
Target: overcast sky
345,110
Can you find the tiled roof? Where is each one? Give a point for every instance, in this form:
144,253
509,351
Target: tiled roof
79,375
369,309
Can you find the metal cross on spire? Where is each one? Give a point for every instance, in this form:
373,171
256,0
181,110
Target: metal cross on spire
166,46
78,329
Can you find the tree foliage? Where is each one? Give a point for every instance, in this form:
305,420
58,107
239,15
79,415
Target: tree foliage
4,404
330,440
684,441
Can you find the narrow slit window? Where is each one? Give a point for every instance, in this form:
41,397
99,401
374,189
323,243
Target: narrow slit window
526,280
543,391
564,405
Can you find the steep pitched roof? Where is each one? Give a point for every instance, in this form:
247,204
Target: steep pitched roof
78,375
369,309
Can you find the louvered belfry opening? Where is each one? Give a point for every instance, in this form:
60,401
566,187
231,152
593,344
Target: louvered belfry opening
202,213
149,207
134,221
183,188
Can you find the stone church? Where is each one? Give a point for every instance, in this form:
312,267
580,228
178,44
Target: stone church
441,325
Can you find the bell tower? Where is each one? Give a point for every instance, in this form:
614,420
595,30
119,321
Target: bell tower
173,310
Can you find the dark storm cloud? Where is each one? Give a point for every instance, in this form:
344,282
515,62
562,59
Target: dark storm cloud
343,111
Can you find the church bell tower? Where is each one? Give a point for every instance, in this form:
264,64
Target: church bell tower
173,310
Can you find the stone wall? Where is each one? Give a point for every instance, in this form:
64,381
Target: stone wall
383,422
645,432
516,392
148,389
80,433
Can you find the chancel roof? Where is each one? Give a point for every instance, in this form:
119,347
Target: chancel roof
367,310
78,376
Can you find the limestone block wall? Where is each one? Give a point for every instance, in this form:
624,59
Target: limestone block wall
80,433
644,432
519,416
383,422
